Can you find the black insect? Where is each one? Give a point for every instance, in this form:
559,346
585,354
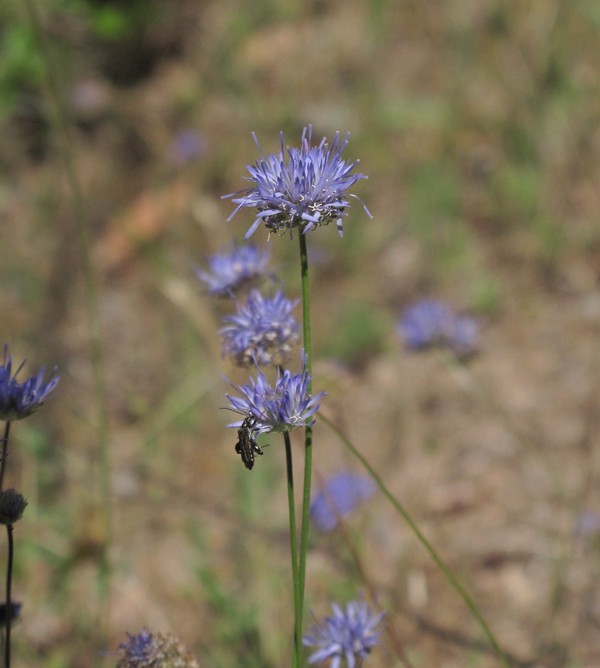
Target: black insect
247,446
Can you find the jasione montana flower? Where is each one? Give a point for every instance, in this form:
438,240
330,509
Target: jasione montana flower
154,650
348,635
235,270
263,332
339,495
429,322
284,406
299,187
19,400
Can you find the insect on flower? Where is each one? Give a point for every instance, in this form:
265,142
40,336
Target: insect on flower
247,446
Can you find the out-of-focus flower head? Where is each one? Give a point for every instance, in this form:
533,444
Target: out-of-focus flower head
348,635
15,612
154,650
186,145
588,524
339,496
284,406
233,271
428,323
19,400
299,187
263,332
12,506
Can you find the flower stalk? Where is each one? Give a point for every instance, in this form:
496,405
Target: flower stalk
308,450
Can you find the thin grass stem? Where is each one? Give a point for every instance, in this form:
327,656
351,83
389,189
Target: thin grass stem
433,553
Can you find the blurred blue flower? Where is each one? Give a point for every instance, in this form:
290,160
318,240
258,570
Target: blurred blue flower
263,332
140,650
231,272
340,495
429,323
154,650
186,145
284,406
299,187
19,400
588,524
349,635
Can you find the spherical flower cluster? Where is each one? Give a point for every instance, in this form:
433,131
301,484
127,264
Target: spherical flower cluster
234,271
19,400
12,506
299,187
429,323
284,406
348,634
154,650
338,497
263,332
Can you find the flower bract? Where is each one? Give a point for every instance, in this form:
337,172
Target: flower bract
303,188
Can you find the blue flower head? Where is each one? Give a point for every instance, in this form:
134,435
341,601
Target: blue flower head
263,332
429,323
139,651
340,495
234,271
154,650
19,400
284,406
348,634
299,187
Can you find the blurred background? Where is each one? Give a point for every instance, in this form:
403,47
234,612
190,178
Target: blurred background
123,123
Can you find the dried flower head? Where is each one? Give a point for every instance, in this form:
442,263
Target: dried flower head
348,634
234,271
15,612
263,332
284,406
19,400
339,496
428,323
299,187
154,650
12,506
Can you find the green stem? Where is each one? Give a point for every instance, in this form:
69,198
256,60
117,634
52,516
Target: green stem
4,454
452,579
307,438
293,549
8,610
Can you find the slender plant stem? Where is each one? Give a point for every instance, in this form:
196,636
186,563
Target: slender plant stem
307,438
293,547
8,610
452,579
4,453
101,470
